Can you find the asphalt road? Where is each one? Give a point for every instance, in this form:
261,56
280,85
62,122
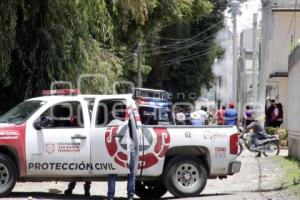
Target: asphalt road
259,179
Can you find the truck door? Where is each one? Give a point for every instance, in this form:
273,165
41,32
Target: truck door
110,139
58,140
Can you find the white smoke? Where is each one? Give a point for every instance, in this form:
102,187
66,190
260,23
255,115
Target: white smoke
224,67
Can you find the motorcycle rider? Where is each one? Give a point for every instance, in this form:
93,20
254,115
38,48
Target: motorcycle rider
258,133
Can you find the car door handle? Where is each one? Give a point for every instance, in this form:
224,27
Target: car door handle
78,136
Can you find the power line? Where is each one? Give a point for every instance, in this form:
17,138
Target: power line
188,56
191,58
295,24
191,38
186,47
289,30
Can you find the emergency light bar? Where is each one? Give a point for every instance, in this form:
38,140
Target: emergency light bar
152,94
61,92
161,103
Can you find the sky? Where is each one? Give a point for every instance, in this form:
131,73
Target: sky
245,20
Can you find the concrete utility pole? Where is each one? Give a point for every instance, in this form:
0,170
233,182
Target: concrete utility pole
254,59
235,10
139,52
242,89
267,23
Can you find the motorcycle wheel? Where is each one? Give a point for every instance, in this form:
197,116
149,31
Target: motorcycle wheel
271,149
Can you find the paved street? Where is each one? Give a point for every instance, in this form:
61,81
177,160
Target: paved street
260,179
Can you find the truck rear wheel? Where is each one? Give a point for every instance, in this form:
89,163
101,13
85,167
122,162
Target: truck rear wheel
185,176
150,189
8,175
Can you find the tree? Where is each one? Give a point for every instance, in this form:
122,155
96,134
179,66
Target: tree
184,53
49,40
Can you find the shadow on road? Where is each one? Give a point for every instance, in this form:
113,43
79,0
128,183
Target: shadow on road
44,195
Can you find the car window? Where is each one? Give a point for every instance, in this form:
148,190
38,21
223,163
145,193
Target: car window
111,112
21,112
63,115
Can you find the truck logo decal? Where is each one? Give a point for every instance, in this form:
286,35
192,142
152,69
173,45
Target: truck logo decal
50,148
208,135
220,152
9,135
152,152
68,147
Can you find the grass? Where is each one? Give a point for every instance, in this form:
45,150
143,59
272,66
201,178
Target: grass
291,168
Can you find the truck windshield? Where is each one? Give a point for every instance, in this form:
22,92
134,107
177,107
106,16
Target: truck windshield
21,112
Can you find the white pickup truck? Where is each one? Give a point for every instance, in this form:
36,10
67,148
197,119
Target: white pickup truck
64,138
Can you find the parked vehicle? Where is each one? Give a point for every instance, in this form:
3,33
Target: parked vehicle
268,145
74,138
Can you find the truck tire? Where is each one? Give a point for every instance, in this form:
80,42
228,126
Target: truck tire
8,175
185,176
150,189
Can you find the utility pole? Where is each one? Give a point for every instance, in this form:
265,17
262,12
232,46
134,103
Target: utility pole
267,23
254,60
235,10
242,90
139,75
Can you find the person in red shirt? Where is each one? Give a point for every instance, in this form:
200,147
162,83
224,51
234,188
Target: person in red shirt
221,113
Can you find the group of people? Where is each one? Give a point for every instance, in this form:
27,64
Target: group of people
274,114
227,116
197,117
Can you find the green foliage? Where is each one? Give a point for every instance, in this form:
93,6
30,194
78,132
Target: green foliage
271,130
291,178
44,41
184,65
7,34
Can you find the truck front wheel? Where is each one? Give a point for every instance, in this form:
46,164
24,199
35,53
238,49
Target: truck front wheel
150,189
8,175
185,176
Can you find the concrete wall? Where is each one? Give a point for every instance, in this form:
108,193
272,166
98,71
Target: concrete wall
294,104
284,4
281,40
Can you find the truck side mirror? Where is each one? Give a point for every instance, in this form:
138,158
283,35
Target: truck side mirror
37,126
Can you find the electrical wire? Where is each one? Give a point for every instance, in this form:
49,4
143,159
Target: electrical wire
188,56
289,31
193,37
191,58
295,23
187,46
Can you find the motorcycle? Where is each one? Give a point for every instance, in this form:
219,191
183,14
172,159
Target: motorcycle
267,144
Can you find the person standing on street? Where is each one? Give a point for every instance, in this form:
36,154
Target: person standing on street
230,115
72,184
133,161
269,112
279,118
248,115
220,114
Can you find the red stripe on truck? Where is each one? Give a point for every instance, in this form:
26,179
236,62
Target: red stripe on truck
13,137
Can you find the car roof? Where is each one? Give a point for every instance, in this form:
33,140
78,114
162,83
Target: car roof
76,97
